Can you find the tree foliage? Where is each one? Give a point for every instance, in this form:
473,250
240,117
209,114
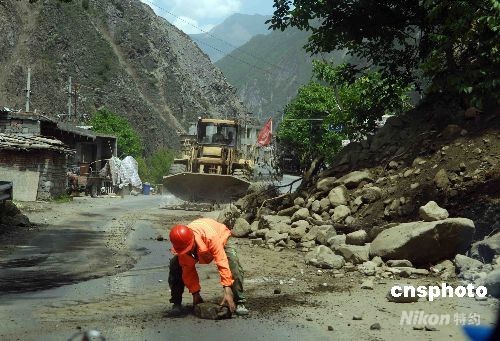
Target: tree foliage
107,122
451,43
343,106
155,167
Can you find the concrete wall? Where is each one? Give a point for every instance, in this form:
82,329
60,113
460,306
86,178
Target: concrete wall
24,167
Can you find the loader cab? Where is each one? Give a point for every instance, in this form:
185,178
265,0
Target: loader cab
217,132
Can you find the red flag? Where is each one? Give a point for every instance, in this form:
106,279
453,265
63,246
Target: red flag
265,133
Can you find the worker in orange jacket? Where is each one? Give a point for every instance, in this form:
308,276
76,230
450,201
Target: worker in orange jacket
202,241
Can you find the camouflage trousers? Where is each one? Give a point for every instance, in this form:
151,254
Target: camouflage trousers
177,285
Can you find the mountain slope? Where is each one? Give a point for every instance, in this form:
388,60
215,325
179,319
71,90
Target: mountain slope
122,56
277,65
235,30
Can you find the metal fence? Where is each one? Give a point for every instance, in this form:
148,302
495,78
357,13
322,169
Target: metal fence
5,191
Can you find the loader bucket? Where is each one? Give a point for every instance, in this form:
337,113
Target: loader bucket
200,187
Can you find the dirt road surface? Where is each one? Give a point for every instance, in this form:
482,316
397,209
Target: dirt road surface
97,264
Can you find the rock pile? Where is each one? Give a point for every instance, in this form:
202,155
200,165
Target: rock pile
10,215
396,250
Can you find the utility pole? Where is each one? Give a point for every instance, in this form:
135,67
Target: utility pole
28,90
75,99
69,97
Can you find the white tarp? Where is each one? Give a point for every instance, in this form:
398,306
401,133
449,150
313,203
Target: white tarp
125,172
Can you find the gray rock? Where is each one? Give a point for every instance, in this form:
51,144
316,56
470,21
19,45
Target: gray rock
324,204
354,253
487,248
317,217
367,284
375,326
371,194
432,212
378,261
261,233
349,220
393,165
272,222
375,231
324,233
311,234
492,283
301,223
297,233
316,206
301,214
441,179
340,213
299,201
211,311
323,257
357,237
228,215
424,242
338,196
288,212
255,225
399,262
273,236
464,263
241,228
336,241
368,268
353,179
446,269
257,241
326,184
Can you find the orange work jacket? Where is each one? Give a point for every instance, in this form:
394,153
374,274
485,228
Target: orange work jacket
210,237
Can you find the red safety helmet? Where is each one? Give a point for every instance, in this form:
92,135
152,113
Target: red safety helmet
182,239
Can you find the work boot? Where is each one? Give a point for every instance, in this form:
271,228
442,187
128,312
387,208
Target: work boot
177,310
241,310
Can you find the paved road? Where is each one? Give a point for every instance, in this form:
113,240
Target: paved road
128,305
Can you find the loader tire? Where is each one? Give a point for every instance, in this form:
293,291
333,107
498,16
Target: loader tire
176,169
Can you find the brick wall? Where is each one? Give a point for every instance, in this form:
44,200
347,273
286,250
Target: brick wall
50,165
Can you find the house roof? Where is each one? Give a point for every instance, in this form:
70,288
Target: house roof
23,142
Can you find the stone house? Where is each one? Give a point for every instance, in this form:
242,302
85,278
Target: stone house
36,165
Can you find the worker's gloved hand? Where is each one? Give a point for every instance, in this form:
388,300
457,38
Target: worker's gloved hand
197,298
228,299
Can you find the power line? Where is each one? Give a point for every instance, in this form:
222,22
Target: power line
227,53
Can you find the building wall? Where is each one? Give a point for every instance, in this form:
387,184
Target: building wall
50,165
19,126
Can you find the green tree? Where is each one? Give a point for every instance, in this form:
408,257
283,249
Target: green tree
343,107
453,44
107,122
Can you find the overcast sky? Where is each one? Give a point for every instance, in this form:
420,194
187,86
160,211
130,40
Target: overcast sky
206,13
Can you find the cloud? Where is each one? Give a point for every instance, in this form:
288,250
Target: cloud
198,9
190,26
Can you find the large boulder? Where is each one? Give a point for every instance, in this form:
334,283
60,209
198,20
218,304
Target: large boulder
16,220
340,213
326,184
338,196
492,283
323,257
432,212
355,254
301,214
424,242
486,249
353,179
464,264
241,228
